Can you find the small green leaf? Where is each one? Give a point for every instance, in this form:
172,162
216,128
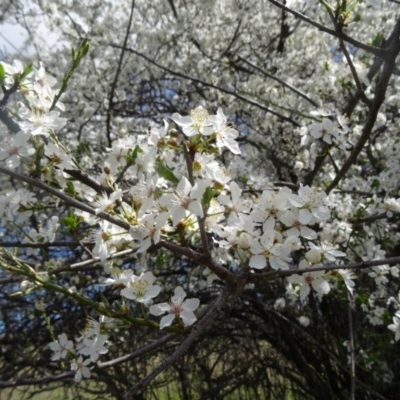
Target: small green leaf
84,48
70,189
132,155
165,172
71,221
2,72
159,261
104,300
375,184
27,70
84,148
207,197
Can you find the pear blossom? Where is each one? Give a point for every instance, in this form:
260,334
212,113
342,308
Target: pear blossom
326,251
12,72
81,368
141,288
307,279
395,327
93,347
348,276
61,347
49,232
105,202
291,219
280,304
58,156
323,130
225,134
148,229
304,321
235,204
311,204
15,147
37,122
119,278
178,307
277,254
187,198
197,122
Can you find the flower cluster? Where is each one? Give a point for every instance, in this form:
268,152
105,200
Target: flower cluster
168,185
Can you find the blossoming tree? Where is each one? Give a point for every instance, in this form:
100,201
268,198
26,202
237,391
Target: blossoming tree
235,166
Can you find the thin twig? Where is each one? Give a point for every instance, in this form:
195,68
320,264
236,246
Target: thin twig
67,199
275,274
282,82
222,272
200,220
210,85
352,349
67,375
380,94
371,49
360,90
117,72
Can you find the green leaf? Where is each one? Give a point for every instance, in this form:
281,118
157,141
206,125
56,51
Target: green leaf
159,261
165,172
2,72
207,197
70,189
132,155
84,148
375,184
84,48
76,59
27,70
71,221
104,300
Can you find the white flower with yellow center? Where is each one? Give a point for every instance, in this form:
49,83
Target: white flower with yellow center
197,122
176,308
141,288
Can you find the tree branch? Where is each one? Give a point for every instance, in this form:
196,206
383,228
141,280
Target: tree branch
275,274
371,49
196,331
380,93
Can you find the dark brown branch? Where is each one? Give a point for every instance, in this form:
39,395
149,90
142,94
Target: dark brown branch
271,275
380,93
360,90
40,244
67,200
371,49
68,375
282,82
222,273
88,181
